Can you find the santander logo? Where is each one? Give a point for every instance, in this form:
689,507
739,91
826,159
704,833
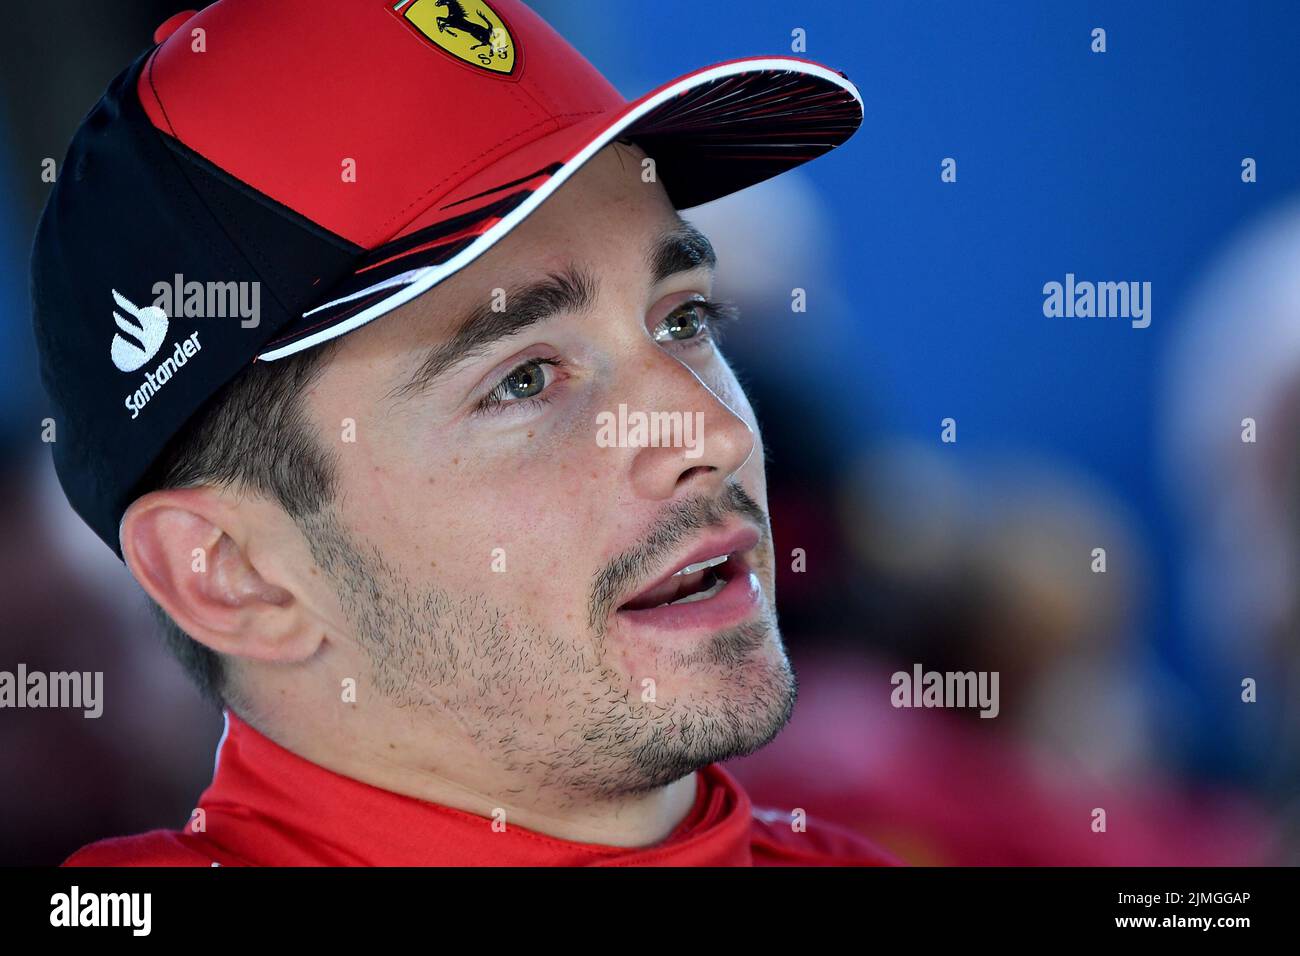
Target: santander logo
137,342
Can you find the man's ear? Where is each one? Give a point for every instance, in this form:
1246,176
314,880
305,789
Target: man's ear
188,548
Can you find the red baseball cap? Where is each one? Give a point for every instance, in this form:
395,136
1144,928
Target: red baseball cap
346,155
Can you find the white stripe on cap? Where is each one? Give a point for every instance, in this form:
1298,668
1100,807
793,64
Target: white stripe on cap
429,276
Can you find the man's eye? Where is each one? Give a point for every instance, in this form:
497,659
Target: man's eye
524,382
683,322
694,319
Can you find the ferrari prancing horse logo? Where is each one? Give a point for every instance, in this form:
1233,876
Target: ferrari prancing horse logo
469,30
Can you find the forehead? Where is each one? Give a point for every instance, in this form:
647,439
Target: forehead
608,201
605,219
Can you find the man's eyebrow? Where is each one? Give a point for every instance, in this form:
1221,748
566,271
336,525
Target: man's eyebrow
681,250
572,290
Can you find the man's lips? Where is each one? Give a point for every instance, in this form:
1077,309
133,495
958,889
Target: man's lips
713,581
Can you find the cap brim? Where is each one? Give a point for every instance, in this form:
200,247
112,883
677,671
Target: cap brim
712,132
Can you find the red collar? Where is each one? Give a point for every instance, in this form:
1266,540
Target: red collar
268,806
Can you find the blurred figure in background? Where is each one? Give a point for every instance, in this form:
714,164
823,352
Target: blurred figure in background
917,556
1231,407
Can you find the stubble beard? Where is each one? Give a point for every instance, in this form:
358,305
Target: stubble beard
547,710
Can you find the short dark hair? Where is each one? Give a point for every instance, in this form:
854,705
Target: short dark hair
252,434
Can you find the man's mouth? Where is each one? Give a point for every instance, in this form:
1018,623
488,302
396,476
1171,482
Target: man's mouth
695,582
711,586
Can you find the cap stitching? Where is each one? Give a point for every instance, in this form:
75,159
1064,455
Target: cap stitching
227,225
263,265
523,101
398,216
188,199
158,99
523,95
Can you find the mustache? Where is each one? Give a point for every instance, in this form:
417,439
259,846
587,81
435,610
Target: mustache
679,521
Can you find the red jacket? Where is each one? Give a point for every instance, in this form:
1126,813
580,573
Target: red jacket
267,806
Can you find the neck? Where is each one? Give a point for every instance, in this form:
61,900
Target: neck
429,764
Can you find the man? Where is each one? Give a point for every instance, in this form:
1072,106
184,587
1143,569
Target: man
460,605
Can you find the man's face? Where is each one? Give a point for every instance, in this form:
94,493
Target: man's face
499,551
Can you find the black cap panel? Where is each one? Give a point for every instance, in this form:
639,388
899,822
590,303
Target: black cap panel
156,278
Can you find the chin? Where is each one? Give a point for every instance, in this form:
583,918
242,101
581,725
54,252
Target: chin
741,704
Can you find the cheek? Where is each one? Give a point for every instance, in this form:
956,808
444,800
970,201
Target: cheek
518,524
549,520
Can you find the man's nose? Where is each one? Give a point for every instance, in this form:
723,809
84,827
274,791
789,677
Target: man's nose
701,441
